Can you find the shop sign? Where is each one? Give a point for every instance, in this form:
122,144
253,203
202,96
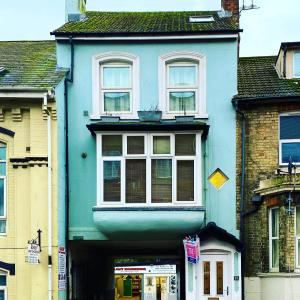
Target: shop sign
155,269
33,253
62,269
192,249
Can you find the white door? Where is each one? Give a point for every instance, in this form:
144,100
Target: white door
214,274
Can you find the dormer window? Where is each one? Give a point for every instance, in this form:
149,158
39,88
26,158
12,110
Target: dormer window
297,64
115,85
183,85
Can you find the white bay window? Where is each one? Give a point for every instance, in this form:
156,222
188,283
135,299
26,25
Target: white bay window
149,169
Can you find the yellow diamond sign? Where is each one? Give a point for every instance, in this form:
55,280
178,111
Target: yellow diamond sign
218,179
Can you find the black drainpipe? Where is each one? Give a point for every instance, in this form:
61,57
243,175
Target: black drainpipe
69,79
242,192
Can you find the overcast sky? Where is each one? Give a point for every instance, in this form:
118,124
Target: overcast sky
264,28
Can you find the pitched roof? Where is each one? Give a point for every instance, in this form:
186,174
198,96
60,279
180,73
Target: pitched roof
143,23
258,78
29,64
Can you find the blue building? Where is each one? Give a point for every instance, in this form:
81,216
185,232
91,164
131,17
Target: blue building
151,152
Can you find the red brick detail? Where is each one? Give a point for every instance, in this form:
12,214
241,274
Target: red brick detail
272,202
231,5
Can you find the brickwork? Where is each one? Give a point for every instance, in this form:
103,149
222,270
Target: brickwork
261,162
231,5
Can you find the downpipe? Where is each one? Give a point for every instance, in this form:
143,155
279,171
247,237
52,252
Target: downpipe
49,142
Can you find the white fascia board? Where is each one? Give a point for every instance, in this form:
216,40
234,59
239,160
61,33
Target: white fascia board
24,94
145,38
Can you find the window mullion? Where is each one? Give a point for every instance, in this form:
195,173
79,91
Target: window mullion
123,181
174,180
148,180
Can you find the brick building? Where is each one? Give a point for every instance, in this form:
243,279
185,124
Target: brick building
268,154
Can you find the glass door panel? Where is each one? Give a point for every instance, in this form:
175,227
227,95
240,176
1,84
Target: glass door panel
214,275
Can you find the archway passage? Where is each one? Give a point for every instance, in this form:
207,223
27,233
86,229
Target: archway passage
104,270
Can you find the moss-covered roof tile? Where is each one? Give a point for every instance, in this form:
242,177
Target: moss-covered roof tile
139,23
258,78
29,64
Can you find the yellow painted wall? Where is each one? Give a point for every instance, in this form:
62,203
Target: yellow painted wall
27,201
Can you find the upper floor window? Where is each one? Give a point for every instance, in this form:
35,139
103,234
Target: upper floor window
289,133
149,169
182,84
297,64
3,171
182,87
274,238
115,85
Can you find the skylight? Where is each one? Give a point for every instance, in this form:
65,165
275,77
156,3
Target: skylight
201,19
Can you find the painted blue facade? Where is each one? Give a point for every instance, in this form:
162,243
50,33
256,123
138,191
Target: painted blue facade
221,66
100,236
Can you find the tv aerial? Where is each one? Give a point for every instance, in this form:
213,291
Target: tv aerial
248,5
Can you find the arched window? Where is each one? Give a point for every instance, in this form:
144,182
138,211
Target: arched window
182,84
3,173
115,84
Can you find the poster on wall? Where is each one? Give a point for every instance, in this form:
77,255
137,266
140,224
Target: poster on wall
33,254
62,280
192,249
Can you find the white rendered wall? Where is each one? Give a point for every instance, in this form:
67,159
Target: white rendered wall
273,287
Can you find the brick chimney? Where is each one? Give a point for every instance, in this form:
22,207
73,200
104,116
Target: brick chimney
231,6
75,10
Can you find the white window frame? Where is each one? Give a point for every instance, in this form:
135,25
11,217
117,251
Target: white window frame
182,59
4,217
294,67
283,141
192,88
271,238
148,156
114,59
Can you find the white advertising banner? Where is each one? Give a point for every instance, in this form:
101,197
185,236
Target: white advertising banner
62,277
33,256
155,269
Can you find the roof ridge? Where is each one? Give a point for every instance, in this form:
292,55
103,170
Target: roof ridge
147,12
28,41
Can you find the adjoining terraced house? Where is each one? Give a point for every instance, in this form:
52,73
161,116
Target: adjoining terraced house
269,129
30,86
151,139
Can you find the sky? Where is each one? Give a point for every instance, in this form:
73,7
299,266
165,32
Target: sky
265,28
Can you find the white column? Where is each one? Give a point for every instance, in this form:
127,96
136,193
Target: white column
190,280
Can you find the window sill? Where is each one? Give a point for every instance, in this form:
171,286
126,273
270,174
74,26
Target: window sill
154,208
168,115
276,274
97,117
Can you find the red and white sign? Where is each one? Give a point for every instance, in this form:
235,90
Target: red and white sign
62,277
192,250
